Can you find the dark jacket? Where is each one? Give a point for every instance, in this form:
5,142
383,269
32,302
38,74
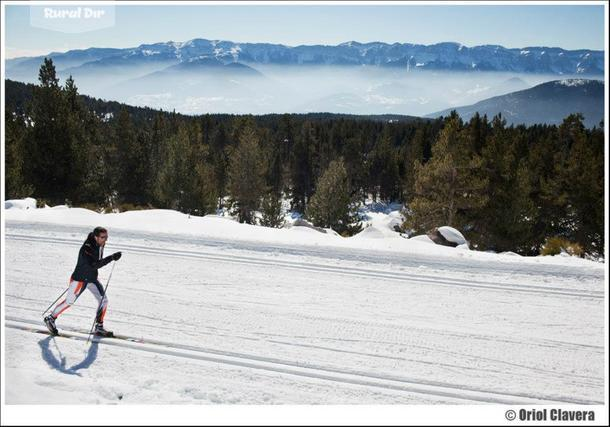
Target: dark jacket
90,258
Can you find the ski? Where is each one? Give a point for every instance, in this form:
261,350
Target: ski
33,326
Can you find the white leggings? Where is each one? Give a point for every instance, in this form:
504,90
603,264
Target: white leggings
75,290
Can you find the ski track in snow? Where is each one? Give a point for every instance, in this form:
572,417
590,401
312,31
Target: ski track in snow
241,322
321,268
306,370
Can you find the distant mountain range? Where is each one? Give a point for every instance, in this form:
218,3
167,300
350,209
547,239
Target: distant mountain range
412,57
211,76
548,103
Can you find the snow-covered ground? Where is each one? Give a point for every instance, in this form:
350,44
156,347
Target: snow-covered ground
232,313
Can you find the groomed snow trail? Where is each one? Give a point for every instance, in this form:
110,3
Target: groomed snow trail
239,322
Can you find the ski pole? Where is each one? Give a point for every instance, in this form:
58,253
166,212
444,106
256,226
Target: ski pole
53,303
100,304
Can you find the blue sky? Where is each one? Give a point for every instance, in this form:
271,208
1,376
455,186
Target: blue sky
565,26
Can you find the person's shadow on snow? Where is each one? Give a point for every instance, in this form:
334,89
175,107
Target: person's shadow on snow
59,363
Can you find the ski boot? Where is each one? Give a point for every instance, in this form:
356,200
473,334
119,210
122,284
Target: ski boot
50,322
101,332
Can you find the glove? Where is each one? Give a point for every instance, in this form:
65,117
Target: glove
116,256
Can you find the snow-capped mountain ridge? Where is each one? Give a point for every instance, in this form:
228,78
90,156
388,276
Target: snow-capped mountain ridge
440,56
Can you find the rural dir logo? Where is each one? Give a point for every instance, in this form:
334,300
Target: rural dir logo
72,19
549,415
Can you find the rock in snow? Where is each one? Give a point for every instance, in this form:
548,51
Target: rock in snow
452,235
27,203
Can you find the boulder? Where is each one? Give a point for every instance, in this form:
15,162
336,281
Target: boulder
447,236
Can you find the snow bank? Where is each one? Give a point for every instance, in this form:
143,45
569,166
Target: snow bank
422,238
378,233
372,232
27,203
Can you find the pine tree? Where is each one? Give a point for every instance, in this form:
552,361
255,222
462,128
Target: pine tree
506,222
413,152
577,189
477,133
332,205
15,133
47,75
271,211
80,124
158,134
285,137
131,161
71,92
449,187
52,165
97,184
354,159
246,172
274,178
205,194
301,167
384,169
174,180
541,159
219,159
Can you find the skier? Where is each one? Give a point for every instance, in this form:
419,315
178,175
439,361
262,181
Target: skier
90,259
